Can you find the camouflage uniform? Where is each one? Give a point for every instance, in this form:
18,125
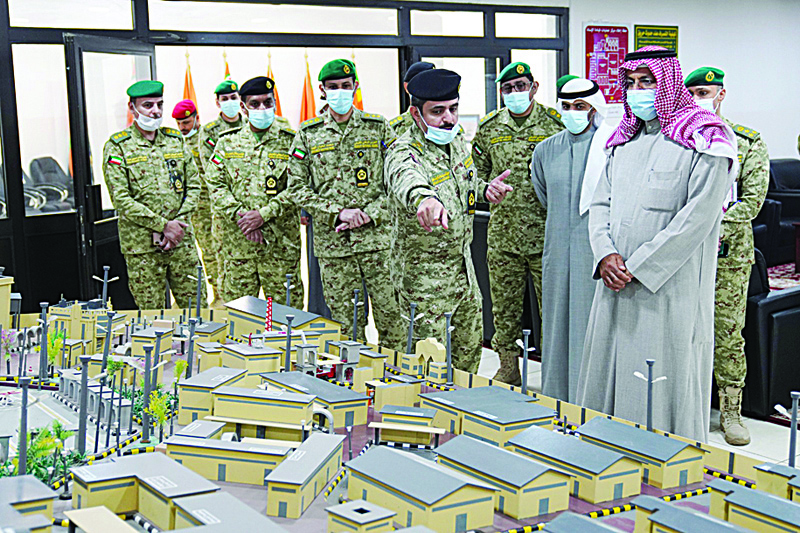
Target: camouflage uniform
151,183
733,271
331,169
245,174
209,135
516,228
402,123
201,218
435,270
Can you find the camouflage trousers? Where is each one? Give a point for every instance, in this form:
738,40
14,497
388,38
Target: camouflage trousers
508,281
467,321
342,275
149,273
244,277
730,365
201,222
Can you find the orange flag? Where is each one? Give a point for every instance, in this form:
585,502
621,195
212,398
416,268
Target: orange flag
307,108
358,101
271,76
188,86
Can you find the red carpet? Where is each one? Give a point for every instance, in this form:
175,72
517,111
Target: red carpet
783,277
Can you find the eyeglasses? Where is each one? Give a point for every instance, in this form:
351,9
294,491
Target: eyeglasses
519,87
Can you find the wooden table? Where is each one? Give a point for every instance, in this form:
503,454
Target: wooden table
97,520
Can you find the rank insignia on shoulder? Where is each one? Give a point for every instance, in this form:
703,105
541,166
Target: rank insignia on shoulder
373,116
120,136
289,131
396,120
211,125
489,117
172,132
298,154
311,122
115,160
746,132
362,177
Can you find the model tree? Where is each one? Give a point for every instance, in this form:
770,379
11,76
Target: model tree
158,407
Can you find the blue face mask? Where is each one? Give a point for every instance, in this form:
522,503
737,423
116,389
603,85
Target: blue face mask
575,121
517,103
340,100
230,108
261,119
441,136
643,103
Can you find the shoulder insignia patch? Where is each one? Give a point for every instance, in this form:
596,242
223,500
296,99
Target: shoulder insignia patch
396,120
372,116
311,122
746,132
418,146
552,113
488,117
120,136
172,132
211,125
289,131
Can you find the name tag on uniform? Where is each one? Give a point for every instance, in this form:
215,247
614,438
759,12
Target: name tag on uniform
362,177
470,202
537,138
234,155
278,155
173,155
136,159
441,177
323,148
501,139
360,145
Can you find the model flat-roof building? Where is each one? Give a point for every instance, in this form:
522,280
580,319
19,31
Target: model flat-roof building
753,509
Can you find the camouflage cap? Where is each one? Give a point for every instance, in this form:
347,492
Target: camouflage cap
704,76
338,69
145,88
226,87
514,70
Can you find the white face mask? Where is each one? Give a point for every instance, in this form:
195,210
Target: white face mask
707,104
230,108
191,133
148,123
517,103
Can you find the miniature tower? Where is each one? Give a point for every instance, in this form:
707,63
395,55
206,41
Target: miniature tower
146,397
83,411
526,333
23,428
793,433
190,356
287,360
448,330
43,346
200,279
289,288
268,316
355,313
410,340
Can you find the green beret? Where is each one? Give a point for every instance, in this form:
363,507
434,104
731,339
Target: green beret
560,82
514,70
704,76
144,88
226,87
338,69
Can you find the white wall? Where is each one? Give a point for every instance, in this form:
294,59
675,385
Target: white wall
755,43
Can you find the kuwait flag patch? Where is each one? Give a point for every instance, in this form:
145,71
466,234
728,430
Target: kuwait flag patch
115,160
299,154
216,160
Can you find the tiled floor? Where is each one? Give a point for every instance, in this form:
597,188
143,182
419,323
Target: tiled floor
768,441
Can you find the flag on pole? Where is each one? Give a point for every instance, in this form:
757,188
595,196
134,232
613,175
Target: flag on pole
357,101
308,109
188,84
227,67
272,77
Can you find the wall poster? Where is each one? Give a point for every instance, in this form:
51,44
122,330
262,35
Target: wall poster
666,36
606,47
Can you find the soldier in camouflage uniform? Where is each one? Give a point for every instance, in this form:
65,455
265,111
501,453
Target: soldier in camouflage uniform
505,140
402,123
185,115
226,97
336,175
736,255
433,181
260,227
154,184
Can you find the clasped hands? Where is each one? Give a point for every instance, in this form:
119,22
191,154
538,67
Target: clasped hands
432,213
171,235
250,223
614,273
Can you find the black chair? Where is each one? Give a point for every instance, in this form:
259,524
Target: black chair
772,334
765,230
48,175
784,187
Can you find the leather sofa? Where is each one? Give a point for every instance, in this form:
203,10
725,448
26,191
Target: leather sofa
772,334
784,187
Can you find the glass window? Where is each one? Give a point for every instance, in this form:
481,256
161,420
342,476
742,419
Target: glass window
377,72
525,25
106,78
266,18
472,95
89,14
43,127
544,67
447,23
